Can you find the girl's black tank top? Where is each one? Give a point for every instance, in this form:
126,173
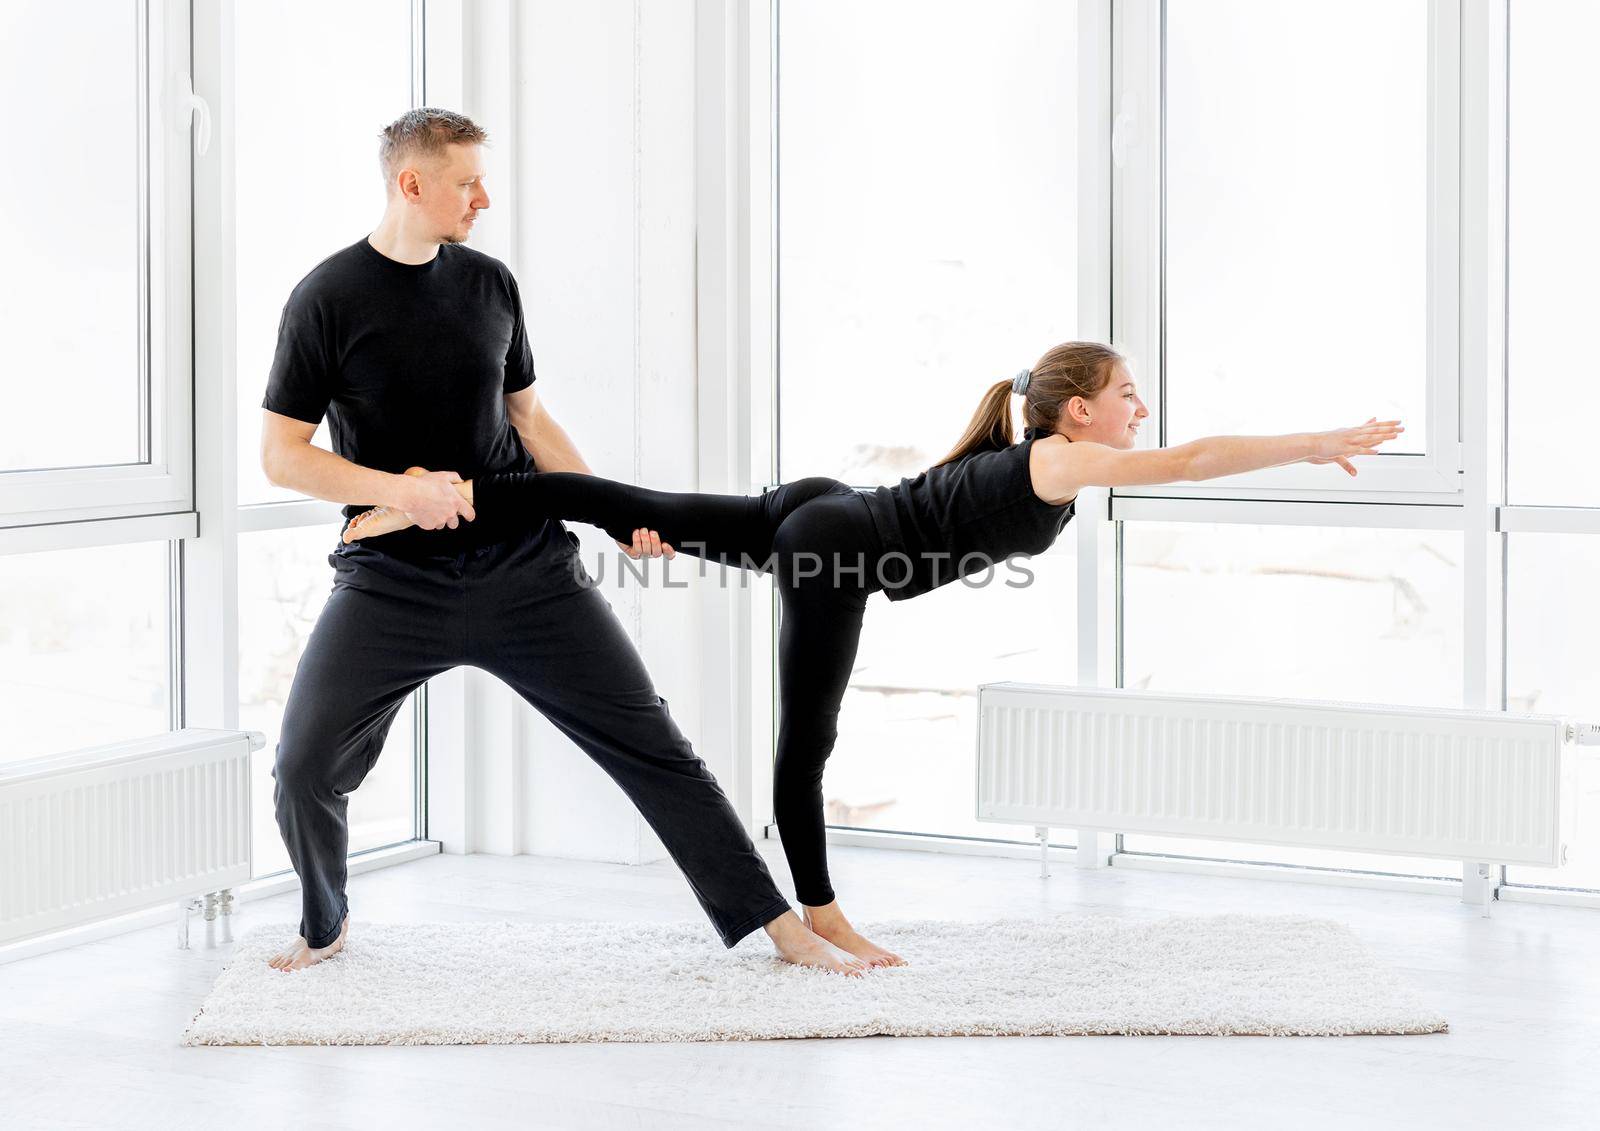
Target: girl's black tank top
962,518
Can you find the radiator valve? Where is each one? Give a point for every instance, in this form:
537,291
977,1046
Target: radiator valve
1584,734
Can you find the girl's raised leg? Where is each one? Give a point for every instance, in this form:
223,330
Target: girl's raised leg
734,530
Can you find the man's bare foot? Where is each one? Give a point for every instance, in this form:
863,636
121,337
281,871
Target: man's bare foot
297,955
798,944
829,923
386,520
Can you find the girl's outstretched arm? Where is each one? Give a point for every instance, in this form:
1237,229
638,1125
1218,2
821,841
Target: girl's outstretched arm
1064,469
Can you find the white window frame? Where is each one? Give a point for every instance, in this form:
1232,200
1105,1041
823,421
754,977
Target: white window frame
161,482
1138,151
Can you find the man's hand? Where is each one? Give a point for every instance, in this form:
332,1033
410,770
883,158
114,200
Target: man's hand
647,544
431,502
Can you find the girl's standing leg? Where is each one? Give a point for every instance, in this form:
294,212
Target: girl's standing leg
826,555
817,639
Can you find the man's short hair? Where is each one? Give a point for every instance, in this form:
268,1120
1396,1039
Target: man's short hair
423,132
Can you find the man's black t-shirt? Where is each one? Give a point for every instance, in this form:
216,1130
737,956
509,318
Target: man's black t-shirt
410,362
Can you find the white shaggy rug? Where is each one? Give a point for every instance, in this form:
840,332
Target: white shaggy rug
511,983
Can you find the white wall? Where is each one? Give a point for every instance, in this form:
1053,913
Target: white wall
590,110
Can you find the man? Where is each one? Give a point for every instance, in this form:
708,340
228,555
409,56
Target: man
415,348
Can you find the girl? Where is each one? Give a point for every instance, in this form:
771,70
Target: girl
829,547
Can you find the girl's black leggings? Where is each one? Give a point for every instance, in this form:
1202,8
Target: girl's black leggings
816,538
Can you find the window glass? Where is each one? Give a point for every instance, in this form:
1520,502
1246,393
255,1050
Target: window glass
69,297
1552,668
1296,217
1356,614
84,648
1554,234
927,221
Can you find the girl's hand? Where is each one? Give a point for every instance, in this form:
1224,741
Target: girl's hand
647,544
1363,440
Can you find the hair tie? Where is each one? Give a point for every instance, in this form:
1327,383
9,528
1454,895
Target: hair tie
1019,383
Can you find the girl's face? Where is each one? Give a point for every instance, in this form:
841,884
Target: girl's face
1112,416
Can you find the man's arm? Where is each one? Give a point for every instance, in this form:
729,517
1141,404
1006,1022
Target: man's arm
552,449
290,459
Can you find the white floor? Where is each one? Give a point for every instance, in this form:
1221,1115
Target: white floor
89,1036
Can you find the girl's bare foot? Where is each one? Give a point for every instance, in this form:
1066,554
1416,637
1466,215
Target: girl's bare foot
829,923
297,956
386,520
800,945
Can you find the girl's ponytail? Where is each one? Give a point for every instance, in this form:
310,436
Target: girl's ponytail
990,427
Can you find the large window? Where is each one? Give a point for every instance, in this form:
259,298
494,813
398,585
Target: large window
1291,227
927,231
1287,242
108,632
1303,207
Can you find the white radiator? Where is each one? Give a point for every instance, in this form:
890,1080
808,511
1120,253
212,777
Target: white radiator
1454,784
115,829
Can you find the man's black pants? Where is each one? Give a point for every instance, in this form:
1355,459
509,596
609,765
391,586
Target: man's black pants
520,609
